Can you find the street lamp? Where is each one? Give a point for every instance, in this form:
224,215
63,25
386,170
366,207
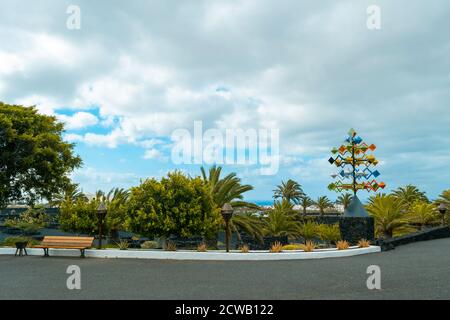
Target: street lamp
443,210
227,213
101,213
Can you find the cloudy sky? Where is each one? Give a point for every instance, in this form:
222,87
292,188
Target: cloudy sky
138,70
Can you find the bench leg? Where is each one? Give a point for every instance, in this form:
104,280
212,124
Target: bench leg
46,252
82,253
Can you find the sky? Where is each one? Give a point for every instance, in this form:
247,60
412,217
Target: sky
135,72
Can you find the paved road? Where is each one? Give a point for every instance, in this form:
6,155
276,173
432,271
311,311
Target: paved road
416,271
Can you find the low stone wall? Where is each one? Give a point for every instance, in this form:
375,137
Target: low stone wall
354,229
265,245
430,234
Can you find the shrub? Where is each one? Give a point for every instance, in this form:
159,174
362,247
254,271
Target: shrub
11,241
171,246
390,216
150,245
123,244
293,247
329,233
202,247
177,205
309,246
277,247
245,249
29,221
363,243
308,230
342,245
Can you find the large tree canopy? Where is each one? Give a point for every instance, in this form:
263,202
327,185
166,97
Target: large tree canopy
34,159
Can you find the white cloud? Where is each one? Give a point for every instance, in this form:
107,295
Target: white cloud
79,120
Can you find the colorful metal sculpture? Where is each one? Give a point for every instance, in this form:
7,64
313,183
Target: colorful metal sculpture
356,166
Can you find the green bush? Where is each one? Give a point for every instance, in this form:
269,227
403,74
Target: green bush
329,233
79,216
150,245
308,230
11,241
176,205
293,247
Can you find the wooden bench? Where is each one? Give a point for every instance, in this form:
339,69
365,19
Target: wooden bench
79,243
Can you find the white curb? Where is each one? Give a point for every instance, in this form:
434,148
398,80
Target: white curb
193,255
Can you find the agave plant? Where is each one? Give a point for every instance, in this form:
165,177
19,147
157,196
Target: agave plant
280,220
390,215
290,191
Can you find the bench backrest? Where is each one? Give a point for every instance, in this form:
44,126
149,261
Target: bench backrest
68,241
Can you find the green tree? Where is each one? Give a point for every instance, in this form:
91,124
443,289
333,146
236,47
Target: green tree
329,233
247,223
280,220
444,197
344,200
176,205
116,201
323,203
424,214
390,215
79,216
70,193
409,194
305,203
226,190
34,160
290,191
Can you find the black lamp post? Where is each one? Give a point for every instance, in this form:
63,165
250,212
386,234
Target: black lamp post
227,213
443,210
101,212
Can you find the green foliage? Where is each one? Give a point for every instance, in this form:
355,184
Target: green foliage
226,190
289,247
34,160
329,233
424,213
79,216
150,245
409,194
70,193
11,241
280,220
323,203
247,223
308,230
344,200
290,191
305,202
29,221
176,205
390,215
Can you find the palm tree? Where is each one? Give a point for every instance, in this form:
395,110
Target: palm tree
290,191
323,203
70,194
115,201
230,190
280,220
390,215
424,214
305,202
308,230
344,200
247,223
409,194
226,190
444,197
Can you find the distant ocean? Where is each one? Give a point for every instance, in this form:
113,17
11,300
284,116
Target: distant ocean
262,203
